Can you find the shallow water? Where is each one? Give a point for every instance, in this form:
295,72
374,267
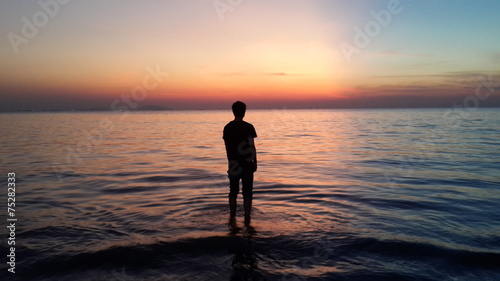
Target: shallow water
339,195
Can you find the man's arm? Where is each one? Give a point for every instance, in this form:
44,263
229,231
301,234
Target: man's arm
254,152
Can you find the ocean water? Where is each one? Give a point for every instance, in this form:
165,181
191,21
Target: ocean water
339,195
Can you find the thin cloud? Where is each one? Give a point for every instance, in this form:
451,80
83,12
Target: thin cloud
455,83
401,54
456,75
257,74
419,65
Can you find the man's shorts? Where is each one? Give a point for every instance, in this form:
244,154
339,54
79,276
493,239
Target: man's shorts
246,176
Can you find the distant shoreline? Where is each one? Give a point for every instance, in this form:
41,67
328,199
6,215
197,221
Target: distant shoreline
218,109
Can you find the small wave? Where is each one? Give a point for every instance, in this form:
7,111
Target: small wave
131,189
202,147
150,256
160,179
419,251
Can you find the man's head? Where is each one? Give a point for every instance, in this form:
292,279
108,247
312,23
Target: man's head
239,109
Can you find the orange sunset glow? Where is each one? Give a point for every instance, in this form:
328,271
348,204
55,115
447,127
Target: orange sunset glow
84,55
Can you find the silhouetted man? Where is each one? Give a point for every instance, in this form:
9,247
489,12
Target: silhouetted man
242,160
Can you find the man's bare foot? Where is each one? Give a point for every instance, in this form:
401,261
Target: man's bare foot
232,222
250,230
247,221
233,227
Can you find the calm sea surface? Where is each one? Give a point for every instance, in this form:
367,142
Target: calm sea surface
339,195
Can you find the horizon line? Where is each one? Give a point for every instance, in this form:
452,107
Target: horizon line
229,109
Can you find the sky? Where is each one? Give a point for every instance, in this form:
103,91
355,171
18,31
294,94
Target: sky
206,54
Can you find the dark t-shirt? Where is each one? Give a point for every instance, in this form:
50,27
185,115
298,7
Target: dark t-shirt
237,137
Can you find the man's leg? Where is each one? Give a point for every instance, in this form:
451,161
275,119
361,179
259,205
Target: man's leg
232,207
234,188
247,205
247,183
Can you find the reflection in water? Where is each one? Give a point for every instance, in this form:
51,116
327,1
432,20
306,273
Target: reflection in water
244,263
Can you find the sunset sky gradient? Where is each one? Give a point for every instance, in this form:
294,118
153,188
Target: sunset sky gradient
270,54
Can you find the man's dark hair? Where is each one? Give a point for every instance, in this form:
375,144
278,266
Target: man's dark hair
239,109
